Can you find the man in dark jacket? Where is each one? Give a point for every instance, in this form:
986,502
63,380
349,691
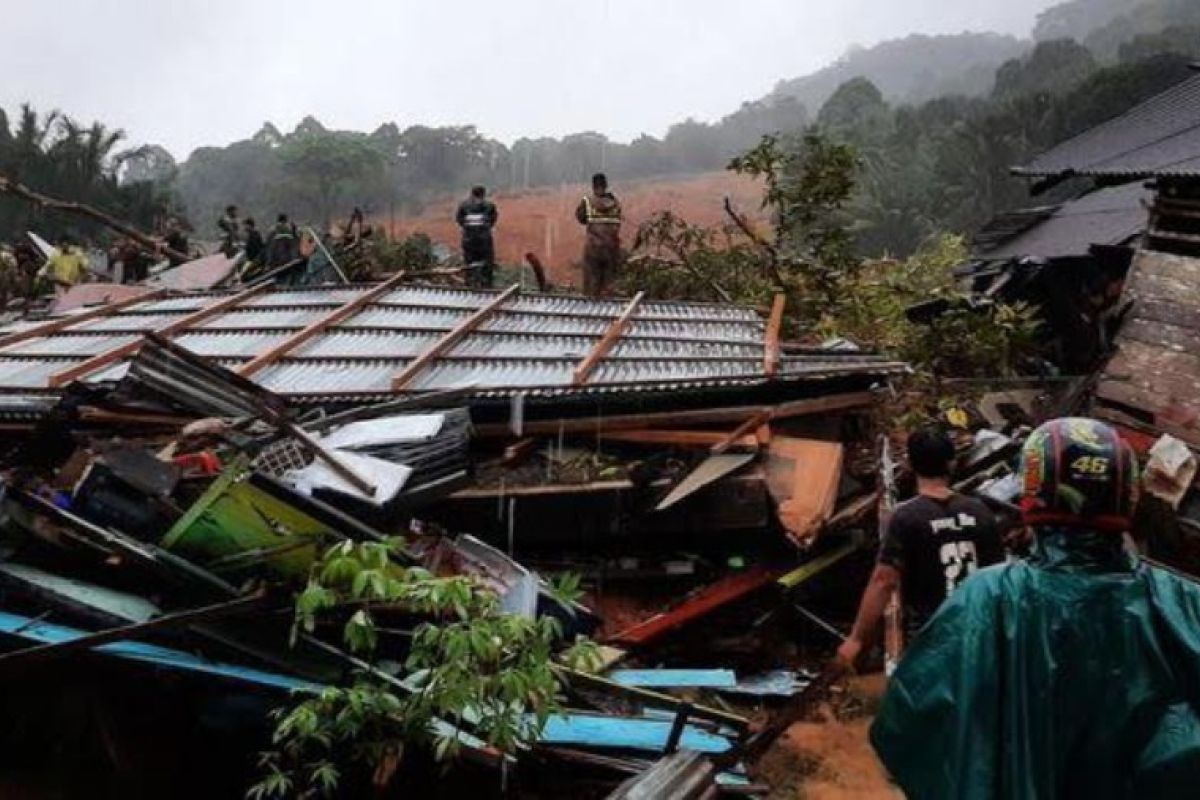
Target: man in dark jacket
230,231
476,216
283,246
254,241
1073,675
601,213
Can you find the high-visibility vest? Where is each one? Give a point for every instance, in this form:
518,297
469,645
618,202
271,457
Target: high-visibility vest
597,217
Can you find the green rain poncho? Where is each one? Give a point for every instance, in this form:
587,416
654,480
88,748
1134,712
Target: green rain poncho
1074,675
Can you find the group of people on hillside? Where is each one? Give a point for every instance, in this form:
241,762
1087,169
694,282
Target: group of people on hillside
1072,671
599,212
280,247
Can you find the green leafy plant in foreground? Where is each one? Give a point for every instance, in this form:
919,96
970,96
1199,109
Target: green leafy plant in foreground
469,665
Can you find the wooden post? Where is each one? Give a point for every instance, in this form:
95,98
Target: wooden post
452,337
335,317
607,341
771,338
117,353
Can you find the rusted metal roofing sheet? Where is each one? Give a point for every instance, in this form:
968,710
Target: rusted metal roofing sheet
516,343
1160,137
1153,381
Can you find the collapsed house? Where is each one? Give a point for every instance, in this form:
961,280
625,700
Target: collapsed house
1147,165
169,450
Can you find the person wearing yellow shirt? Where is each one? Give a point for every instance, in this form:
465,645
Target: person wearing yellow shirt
68,266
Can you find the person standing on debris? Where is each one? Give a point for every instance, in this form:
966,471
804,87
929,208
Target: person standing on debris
254,241
230,232
10,275
175,238
933,542
601,213
282,246
476,216
29,264
1075,674
133,261
68,266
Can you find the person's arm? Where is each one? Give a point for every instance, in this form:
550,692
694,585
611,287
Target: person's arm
460,216
884,581
581,212
493,215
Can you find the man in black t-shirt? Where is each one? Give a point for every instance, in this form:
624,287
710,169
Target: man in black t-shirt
932,544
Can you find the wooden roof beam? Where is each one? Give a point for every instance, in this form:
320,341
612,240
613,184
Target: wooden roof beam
451,338
61,323
771,337
607,342
101,360
335,317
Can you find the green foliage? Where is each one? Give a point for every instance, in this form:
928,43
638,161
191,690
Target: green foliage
320,165
56,155
469,663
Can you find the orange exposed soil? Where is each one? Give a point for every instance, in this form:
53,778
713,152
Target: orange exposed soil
542,221
831,758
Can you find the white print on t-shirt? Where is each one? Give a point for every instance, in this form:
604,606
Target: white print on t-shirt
958,561
957,523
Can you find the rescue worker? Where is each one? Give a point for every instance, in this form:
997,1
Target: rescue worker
933,542
601,213
29,263
230,232
176,238
68,266
283,247
10,276
133,261
476,216
254,241
1075,674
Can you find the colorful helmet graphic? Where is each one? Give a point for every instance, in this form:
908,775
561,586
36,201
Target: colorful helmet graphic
1079,473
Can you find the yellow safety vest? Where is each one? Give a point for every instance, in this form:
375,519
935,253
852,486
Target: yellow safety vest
595,216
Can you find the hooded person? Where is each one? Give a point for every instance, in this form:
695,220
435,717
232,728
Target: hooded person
1075,674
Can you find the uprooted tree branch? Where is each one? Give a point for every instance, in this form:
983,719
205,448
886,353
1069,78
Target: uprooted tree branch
809,255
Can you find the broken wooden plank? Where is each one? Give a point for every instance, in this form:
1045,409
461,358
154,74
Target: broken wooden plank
115,354
451,338
62,323
728,590
625,733
682,775
50,651
771,336
649,697
680,438
705,416
803,476
607,341
816,566
675,678
319,325
747,427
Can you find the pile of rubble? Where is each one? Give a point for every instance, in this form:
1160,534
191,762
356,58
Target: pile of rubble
177,461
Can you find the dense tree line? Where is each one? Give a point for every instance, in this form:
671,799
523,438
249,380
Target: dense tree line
59,156
945,165
939,164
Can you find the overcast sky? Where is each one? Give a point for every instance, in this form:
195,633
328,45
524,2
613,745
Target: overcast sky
184,73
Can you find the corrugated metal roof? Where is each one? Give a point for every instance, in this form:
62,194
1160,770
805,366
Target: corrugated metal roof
529,343
1106,216
1160,137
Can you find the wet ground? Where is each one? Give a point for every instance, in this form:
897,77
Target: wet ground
829,757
